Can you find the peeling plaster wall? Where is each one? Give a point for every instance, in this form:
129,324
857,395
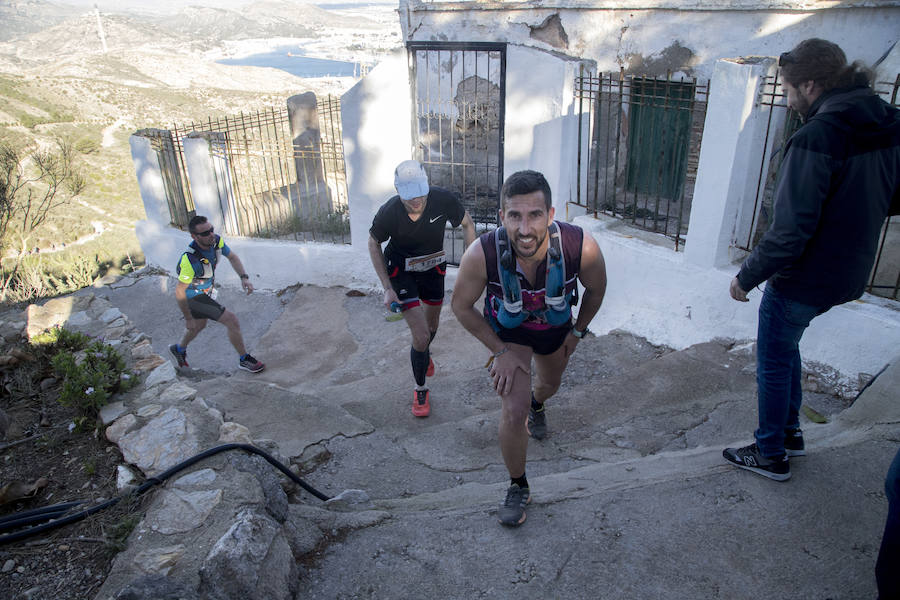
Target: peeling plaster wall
655,37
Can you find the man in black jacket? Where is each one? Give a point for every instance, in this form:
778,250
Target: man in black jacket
839,180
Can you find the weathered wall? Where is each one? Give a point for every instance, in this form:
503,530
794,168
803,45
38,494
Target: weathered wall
541,124
377,133
652,37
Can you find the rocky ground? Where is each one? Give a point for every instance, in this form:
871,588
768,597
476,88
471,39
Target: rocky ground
49,456
628,486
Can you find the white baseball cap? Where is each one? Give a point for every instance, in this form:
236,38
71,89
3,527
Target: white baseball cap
410,180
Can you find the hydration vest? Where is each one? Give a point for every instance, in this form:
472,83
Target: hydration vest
557,303
203,268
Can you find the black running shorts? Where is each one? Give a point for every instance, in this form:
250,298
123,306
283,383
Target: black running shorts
204,307
545,341
412,286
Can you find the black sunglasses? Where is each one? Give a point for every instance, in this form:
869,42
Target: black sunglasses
205,233
785,59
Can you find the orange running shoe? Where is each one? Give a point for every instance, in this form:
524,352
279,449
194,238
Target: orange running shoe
430,371
421,407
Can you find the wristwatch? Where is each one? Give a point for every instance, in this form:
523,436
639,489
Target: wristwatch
580,334
245,276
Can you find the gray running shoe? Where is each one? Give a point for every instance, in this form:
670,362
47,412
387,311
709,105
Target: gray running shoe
793,443
512,511
748,457
180,357
537,424
251,364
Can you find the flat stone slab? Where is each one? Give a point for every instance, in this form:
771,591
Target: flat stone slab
293,421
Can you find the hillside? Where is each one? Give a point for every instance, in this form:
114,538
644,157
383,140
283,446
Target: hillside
23,17
157,70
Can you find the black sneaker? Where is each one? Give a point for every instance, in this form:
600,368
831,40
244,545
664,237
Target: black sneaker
180,357
793,442
537,423
512,511
248,363
749,458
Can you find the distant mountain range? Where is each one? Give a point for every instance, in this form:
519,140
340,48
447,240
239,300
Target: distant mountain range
21,17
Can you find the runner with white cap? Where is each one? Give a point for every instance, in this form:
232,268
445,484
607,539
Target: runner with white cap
412,267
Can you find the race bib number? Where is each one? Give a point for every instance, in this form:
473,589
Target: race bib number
212,292
423,263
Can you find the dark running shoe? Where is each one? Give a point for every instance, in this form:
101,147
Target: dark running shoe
748,457
793,442
180,357
537,423
248,363
421,407
512,511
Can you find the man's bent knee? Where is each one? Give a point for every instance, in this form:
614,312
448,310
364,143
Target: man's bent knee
196,326
546,390
421,342
514,408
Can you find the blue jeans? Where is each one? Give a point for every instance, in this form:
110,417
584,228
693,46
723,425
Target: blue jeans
782,322
886,573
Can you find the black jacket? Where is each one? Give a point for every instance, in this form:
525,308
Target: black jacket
838,182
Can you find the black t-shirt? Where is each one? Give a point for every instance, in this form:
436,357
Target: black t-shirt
417,238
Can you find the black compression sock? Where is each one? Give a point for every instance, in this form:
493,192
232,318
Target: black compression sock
521,481
419,362
535,405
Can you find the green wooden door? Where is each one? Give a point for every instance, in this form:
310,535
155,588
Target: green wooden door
659,136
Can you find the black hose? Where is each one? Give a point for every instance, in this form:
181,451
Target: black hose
56,508
55,513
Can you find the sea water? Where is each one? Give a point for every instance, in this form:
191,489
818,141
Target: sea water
291,59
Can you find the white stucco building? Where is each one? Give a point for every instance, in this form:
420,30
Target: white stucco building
671,296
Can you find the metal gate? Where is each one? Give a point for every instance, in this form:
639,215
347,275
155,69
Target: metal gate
459,94
171,166
644,136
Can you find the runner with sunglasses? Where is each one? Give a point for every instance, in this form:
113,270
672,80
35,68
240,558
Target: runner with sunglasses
195,292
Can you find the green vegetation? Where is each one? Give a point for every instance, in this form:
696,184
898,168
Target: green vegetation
117,535
90,371
30,110
335,223
33,183
48,275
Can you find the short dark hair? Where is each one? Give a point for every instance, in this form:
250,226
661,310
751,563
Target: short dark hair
198,220
525,182
825,63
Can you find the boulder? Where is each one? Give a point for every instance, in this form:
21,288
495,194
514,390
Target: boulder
252,561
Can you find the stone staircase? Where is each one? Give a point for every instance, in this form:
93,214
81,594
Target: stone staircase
631,498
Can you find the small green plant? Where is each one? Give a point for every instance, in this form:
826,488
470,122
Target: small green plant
118,533
90,466
87,145
91,372
61,338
